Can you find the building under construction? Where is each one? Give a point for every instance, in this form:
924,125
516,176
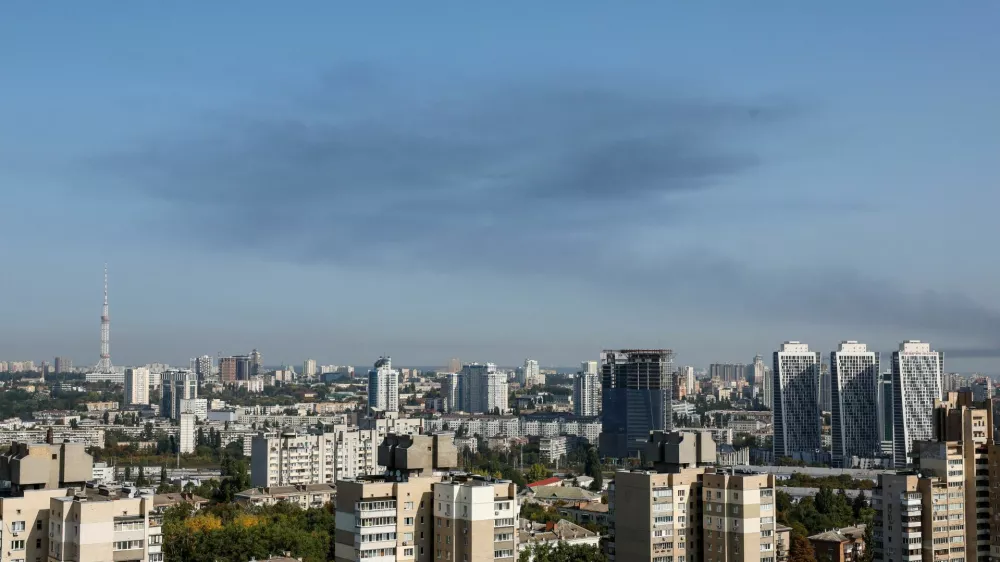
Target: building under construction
635,398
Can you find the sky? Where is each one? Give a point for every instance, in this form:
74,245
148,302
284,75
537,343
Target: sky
498,181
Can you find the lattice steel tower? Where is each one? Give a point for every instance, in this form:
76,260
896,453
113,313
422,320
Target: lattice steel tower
104,365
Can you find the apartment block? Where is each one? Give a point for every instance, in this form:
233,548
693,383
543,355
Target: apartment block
686,510
136,386
37,472
292,459
419,510
101,527
854,373
587,393
797,426
941,509
916,384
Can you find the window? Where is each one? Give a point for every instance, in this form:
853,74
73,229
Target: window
38,524
407,552
155,540
408,505
407,521
17,545
407,536
506,553
16,526
156,557
127,545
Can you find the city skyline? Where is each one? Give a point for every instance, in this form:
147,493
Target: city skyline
273,194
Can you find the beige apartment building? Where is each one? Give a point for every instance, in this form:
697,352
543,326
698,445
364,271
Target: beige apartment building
101,527
686,511
293,459
37,472
420,511
941,510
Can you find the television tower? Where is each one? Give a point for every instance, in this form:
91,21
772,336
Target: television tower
104,365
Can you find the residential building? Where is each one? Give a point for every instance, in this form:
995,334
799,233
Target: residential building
63,365
729,373
37,472
203,368
309,368
178,384
885,418
916,383
187,436
839,545
235,368
303,495
292,459
766,381
635,398
941,509
136,386
256,364
685,377
100,526
383,387
797,420
451,390
531,534
854,379
685,510
530,374
551,449
196,406
417,511
587,393
480,388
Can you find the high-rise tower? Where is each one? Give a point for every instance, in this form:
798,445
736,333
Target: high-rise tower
104,365
797,429
854,376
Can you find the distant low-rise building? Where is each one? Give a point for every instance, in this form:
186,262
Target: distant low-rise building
304,495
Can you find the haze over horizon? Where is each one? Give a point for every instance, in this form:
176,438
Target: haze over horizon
336,182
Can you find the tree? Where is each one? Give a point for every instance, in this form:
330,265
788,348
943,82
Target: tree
147,431
74,424
163,475
128,473
859,503
140,479
869,553
562,552
801,550
537,472
106,417
824,500
592,467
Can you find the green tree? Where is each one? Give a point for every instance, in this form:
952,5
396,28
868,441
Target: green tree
869,553
592,467
859,503
128,473
562,552
163,475
147,431
537,472
106,417
140,478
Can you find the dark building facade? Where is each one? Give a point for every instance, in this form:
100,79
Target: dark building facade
635,398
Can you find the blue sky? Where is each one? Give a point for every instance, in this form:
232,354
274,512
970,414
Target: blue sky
432,180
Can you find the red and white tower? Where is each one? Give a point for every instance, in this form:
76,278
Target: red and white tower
104,365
